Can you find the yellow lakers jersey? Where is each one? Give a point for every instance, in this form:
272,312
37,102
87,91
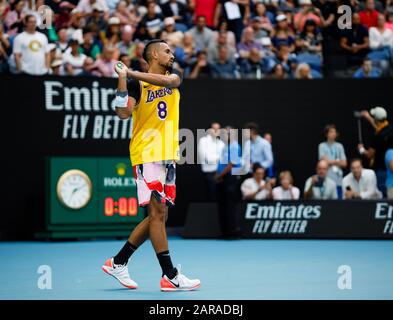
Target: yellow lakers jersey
155,131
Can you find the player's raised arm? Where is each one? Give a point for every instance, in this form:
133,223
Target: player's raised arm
171,81
123,105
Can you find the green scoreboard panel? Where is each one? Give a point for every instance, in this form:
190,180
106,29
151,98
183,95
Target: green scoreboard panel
90,197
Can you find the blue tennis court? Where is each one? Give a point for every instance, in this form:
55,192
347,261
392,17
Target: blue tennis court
243,269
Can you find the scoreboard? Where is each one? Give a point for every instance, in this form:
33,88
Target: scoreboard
90,197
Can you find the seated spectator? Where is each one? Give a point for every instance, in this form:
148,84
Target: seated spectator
247,43
369,16
252,68
97,18
320,186
310,39
256,25
126,45
126,16
201,34
62,40
389,18
221,41
201,68
186,52
278,72
303,71
31,50
256,188
223,68
333,152
176,10
285,58
283,35
266,18
88,68
367,70
360,183
286,190
152,20
307,11
206,8
389,173
89,47
56,68
113,32
73,59
63,15
380,36
174,37
231,39
5,50
86,7
105,64
75,28
14,18
126,59
355,41
138,63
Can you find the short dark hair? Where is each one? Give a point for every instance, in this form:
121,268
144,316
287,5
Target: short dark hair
257,166
252,126
28,17
329,127
147,51
354,160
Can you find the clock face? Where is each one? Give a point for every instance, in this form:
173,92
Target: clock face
74,189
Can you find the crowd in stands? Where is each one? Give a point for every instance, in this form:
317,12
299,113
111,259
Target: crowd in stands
232,39
222,161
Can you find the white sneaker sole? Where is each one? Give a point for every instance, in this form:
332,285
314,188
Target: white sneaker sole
180,289
124,285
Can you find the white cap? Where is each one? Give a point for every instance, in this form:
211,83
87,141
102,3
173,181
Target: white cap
114,20
98,6
56,63
379,113
281,17
303,2
265,41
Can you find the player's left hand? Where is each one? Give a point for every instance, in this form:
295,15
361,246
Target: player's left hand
121,69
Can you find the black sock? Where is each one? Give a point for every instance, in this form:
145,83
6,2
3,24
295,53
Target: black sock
125,253
166,264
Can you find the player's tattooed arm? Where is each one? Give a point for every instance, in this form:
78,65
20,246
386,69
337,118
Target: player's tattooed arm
171,81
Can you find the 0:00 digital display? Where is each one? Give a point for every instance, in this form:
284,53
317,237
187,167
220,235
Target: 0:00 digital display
123,206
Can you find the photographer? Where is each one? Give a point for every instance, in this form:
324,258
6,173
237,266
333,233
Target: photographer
320,186
360,183
380,143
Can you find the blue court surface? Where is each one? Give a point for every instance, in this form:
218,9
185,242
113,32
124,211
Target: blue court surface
243,269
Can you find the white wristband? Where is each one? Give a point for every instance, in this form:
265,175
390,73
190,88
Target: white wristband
121,101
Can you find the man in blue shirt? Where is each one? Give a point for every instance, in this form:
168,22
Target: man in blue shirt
389,172
257,149
227,178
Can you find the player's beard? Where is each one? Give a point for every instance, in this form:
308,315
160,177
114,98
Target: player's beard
168,66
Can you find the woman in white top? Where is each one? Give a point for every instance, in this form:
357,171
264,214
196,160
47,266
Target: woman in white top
73,60
286,190
380,36
256,188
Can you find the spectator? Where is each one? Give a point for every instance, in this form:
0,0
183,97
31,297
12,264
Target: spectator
380,36
88,68
124,14
152,20
89,47
257,149
5,50
303,71
63,16
283,35
227,184
75,28
328,10
355,41
207,9
113,33
201,68
105,64
236,13
265,17
221,41
31,50
389,18
138,63
334,154
360,183
256,188
126,59
256,25
310,39
73,59
97,18
389,173
367,70
286,190
201,34
86,7
320,186
223,68
62,40
231,39
270,171
209,151
252,68
307,11
369,16
14,18
126,45
174,37
380,143
177,11
247,43
186,51
278,72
